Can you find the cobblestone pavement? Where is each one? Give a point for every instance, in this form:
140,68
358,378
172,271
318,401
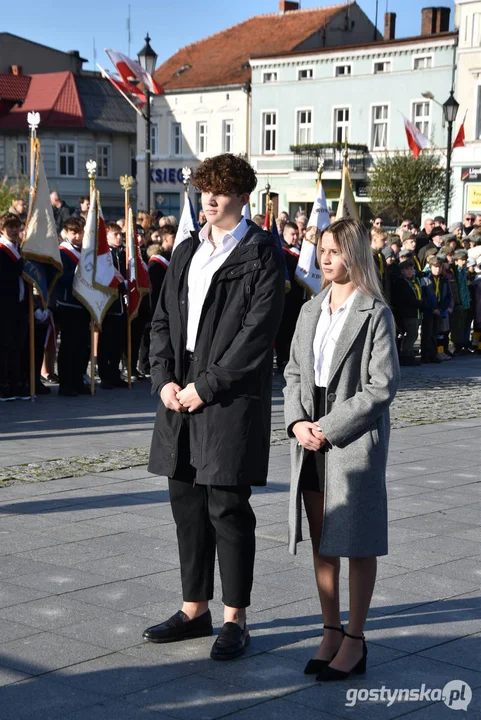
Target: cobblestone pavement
58,437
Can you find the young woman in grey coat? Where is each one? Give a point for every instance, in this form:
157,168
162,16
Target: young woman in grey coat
342,376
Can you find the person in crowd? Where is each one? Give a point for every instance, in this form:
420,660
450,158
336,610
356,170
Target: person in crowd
332,216
406,225
378,242
377,223
14,315
407,306
477,221
212,336
435,243
83,207
424,236
295,296
72,317
342,376
19,208
61,211
460,321
301,222
114,327
409,243
476,295
457,230
439,221
438,305
468,223
258,220
394,242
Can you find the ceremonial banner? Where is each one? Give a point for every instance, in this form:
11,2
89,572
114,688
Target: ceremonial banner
128,68
187,223
416,140
87,286
106,277
307,274
347,205
137,274
43,265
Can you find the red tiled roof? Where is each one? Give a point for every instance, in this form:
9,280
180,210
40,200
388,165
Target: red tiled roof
55,97
221,59
13,87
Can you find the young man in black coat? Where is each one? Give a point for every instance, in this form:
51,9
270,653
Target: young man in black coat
295,297
211,362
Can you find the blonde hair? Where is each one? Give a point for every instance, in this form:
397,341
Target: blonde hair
352,240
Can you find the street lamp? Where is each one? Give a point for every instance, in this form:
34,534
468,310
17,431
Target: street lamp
450,109
147,60
429,96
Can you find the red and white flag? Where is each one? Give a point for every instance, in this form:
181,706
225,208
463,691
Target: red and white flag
416,140
128,68
125,88
137,273
459,140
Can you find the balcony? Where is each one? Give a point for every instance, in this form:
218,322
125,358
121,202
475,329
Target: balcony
306,157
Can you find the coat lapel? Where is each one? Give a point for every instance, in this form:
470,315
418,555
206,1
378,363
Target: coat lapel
355,320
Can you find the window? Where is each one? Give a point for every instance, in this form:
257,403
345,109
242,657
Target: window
423,63
341,124
227,136
475,37
154,139
304,127
268,77
478,115
66,159
269,132
342,70
305,74
133,161
379,127
176,139
22,158
201,138
382,67
421,113
169,203
104,155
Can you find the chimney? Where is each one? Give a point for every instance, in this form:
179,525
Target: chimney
434,20
287,5
389,26
15,69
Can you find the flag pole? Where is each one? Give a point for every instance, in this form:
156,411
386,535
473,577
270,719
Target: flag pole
126,182
33,123
91,166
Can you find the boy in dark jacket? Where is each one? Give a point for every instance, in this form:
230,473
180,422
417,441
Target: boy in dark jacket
14,315
212,336
438,305
73,318
407,307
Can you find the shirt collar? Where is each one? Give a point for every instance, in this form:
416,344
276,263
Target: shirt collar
345,305
236,234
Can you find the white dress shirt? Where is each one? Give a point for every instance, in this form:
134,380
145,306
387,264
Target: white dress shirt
329,328
205,263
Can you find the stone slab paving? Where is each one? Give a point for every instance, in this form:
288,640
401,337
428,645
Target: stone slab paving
88,561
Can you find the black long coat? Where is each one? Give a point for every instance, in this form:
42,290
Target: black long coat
232,367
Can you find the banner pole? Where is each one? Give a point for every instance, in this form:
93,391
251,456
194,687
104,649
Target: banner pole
126,182
31,328
91,166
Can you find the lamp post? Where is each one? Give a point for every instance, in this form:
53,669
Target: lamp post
450,109
147,60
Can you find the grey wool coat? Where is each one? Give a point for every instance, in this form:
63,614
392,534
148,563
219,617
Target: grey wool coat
362,383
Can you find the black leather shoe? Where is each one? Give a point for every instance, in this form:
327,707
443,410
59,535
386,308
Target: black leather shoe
330,674
231,643
315,665
178,628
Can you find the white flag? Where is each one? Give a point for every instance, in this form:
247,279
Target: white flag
307,274
347,205
187,223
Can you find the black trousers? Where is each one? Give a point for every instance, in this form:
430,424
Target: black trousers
209,517
74,352
111,344
429,337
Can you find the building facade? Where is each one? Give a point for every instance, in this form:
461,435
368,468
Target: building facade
206,108
359,93
466,161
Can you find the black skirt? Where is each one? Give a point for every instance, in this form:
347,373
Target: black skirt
313,471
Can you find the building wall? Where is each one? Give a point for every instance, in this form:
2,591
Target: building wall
85,143
34,58
210,107
466,161
349,27
399,89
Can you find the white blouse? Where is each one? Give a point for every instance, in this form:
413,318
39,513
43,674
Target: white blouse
329,328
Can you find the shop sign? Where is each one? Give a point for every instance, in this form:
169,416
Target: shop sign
470,173
166,175
474,198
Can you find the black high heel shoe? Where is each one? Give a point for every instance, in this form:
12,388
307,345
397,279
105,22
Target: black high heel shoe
314,665
329,674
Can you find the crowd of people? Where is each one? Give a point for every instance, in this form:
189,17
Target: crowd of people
62,332
431,277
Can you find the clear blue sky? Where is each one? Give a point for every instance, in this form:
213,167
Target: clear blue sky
171,25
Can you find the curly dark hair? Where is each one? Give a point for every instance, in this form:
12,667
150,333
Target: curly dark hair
224,175
9,220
